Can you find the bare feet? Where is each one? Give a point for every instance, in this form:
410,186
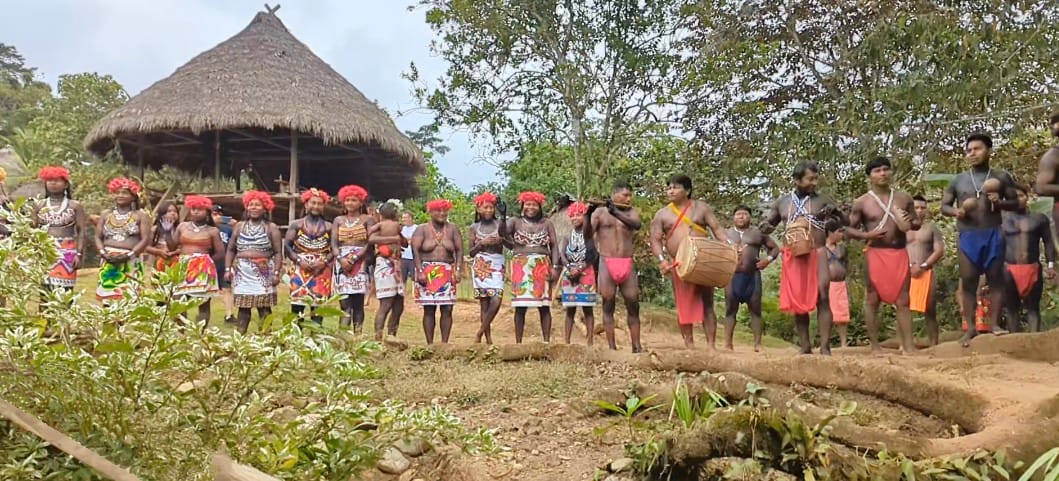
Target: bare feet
806,350
825,350
757,347
966,341
729,347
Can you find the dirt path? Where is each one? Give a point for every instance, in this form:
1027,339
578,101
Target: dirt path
550,430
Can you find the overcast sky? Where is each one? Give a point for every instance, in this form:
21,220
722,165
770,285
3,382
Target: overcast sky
369,42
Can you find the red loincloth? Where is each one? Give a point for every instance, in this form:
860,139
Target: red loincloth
838,299
799,282
887,269
1025,276
688,299
619,268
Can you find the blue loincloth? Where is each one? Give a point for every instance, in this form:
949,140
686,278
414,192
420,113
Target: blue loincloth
982,246
744,284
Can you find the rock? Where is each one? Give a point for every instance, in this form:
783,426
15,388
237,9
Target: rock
621,465
412,447
393,462
409,475
535,452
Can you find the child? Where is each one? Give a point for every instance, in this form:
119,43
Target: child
578,255
838,294
386,237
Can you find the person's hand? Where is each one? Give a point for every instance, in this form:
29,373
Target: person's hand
554,276
421,278
766,228
665,266
874,235
916,270
275,279
228,275
994,197
491,241
611,208
457,273
501,207
304,265
573,274
345,265
77,261
1049,273
172,254
763,263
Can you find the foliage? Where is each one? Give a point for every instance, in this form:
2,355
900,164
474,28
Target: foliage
840,81
590,75
1045,464
633,405
22,93
149,389
690,409
434,184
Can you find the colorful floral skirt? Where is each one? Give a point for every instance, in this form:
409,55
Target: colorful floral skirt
529,280
252,282
579,292
63,273
388,278
355,282
488,275
307,289
440,290
200,276
118,279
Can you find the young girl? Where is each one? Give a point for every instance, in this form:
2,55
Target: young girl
163,237
578,254
487,266
838,294
385,236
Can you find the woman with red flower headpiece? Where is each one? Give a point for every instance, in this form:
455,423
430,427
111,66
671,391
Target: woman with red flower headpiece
308,246
487,267
64,219
122,234
349,246
437,248
254,259
578,257
199,241
536,251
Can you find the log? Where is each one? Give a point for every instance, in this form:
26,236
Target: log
65,443
226,469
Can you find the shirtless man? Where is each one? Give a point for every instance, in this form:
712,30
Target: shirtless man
838,268
64,218
685,217
534,264
1024,232
885,216
926,247
1048,171
981,243
805,282
613,229
745,287
437,248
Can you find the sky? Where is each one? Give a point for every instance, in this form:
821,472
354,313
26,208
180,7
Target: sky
369,42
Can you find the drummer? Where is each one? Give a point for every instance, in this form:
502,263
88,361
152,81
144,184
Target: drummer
614,228
745,287
805,282
685,217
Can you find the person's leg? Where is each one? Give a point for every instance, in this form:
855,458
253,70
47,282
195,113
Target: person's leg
262,314
755,312
968,293
843,333
446,323
356,306
904,320
396,311
994,277
1033,304
801,324
608,292
243,321
546,323
731,308
1012,302
568,326
931,316
590,323
709,319
520,323
346,304
630,291
204,312
823,305
428,323
380,316
490,316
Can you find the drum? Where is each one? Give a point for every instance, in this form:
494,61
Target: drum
705,262
799,237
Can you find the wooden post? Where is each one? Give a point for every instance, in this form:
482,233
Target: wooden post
293,185
139,161
65,443
216,155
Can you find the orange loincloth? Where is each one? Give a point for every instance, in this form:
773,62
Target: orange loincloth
919,291
838,299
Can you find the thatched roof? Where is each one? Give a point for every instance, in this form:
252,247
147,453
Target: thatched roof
255,89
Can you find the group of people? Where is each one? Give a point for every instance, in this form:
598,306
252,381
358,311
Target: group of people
358,253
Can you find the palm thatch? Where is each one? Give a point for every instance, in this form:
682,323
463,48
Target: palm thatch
243,101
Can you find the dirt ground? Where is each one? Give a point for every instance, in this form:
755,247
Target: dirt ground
947,400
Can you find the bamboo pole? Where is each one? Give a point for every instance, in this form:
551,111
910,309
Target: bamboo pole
292,187
65,443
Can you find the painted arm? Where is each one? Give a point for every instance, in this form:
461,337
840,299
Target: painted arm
417,244
715,227
1010,200
853,228
218,246
457,240
472,238
773,247
938,251
553,245
229,254
656,236
1046,184
79,228
277,251
99,231
910,209
772,218
509,232
630,218
288,242
948,201
334,238
1046,236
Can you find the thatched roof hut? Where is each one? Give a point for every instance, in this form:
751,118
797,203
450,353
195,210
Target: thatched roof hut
262,102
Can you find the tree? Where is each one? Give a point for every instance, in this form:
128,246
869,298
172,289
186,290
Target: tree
841,81
586,74
22,94
434,184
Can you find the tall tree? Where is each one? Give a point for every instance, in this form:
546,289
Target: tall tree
588,74
22,94
839,81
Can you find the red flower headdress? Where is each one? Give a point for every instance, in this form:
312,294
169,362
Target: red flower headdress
531,196
197,202
52,172
121,183
576,209
263,197
314,192
485,198
355,191
439,205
